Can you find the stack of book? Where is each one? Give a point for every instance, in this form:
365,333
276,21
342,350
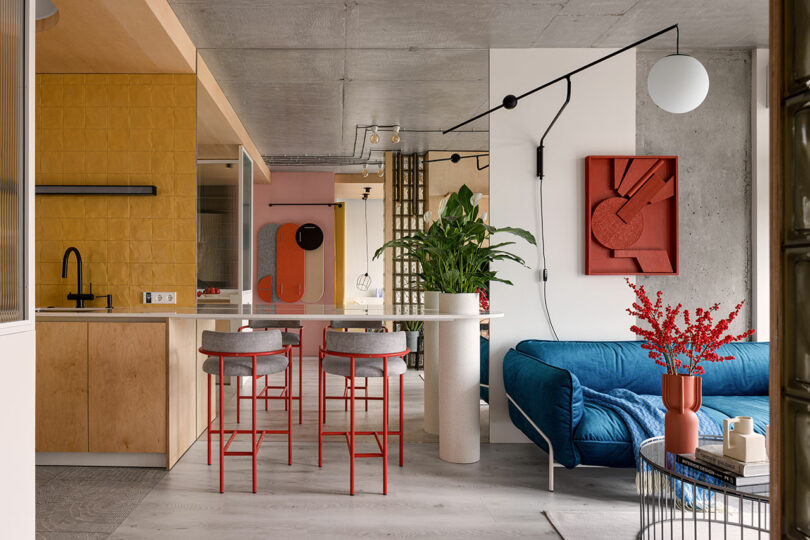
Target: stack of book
709,460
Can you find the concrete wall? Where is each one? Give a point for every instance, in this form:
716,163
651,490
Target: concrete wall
599,120
713,143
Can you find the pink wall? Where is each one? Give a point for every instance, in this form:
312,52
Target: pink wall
299,187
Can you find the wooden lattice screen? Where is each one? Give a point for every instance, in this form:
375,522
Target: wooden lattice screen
409,205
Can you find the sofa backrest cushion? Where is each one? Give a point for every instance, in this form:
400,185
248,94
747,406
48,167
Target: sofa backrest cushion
605,365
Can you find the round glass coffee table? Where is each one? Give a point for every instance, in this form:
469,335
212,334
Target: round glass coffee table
679,502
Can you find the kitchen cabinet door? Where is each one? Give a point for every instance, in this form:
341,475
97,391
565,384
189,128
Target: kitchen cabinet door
127,387
61,386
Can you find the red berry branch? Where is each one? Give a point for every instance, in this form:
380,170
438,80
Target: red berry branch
676,348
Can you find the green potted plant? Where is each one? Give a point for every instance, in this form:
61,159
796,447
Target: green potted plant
412,331
455,255
454,251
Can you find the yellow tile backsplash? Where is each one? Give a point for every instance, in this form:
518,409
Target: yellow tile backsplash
117,129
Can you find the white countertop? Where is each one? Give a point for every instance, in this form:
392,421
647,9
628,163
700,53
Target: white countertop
306,312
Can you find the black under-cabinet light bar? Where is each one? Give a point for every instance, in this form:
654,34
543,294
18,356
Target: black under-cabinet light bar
95,190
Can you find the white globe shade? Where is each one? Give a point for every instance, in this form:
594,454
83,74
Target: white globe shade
678,83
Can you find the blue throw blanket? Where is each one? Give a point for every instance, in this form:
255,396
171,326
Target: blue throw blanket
643,415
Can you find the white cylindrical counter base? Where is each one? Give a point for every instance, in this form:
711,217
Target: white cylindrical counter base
431,366
459,381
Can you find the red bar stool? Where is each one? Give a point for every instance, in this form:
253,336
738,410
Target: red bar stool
345,326
293,339
352,355
249,354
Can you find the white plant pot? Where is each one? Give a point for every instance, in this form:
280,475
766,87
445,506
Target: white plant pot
412,340
431,365
459,380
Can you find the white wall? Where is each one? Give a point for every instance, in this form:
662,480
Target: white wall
760,197
18,358
599,120
356,246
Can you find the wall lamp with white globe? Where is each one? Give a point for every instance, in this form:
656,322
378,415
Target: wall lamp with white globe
677,83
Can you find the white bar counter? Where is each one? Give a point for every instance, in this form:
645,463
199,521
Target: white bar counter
458,439
307,312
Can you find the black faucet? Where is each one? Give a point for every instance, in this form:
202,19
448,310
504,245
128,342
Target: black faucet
78,297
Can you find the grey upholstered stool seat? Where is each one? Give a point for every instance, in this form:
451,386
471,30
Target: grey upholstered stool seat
363,367
287,338
260,354
374,354
244,343
242,366
364,343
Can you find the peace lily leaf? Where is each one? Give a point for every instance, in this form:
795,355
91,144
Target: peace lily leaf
454,253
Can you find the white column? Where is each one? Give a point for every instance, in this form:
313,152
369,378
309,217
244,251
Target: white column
431,366
459,380
760,197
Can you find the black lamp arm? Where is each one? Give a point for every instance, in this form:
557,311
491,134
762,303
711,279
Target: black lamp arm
553,121
510,101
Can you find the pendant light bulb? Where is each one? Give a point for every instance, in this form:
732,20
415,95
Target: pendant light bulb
365,171
380,171
678,83
395,138
375,136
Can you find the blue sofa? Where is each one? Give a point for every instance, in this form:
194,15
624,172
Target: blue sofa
544,380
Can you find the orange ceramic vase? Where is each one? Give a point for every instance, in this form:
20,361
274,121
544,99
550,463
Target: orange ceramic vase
682,397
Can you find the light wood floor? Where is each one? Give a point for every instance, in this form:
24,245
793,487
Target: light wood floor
502,496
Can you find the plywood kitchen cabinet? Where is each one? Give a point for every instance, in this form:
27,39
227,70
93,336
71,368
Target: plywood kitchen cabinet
127,381
118,392
61,387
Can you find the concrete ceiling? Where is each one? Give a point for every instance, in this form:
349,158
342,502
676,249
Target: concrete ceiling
304,74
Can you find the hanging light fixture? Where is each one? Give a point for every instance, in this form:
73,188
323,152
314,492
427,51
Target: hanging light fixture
678,83
46,15
395,138
375,135
365,171
380,171
363,281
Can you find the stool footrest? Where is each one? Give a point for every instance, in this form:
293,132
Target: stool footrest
357,398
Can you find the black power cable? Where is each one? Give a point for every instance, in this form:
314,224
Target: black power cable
541,219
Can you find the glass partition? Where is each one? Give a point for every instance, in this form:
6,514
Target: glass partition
218,224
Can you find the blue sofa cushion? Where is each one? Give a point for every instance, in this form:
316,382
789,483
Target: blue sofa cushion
605,365
551,397
722,407
602,437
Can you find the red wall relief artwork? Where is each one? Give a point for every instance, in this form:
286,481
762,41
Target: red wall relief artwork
631,215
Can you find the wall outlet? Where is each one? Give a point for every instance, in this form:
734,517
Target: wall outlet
159,297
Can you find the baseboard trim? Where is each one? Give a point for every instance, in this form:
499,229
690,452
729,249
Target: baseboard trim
102,459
